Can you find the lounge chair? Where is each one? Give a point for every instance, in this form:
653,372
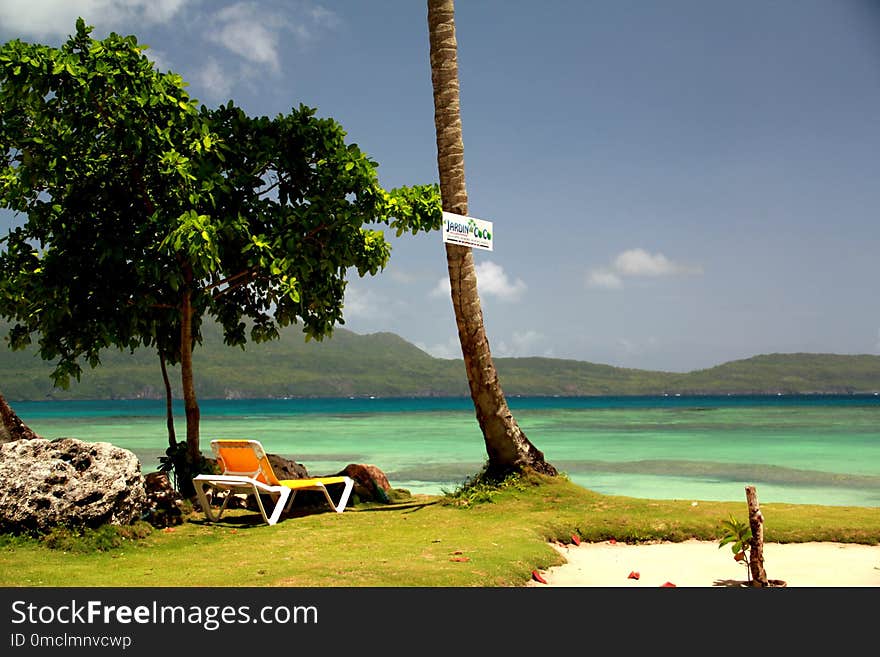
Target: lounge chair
246,470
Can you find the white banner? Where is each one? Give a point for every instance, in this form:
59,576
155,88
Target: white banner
467,231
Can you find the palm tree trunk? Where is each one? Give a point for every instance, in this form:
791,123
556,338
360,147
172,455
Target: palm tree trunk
169,405
191,405
508,447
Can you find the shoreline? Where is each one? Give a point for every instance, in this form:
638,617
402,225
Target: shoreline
696,563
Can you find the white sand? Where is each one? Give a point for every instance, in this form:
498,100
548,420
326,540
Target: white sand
703,563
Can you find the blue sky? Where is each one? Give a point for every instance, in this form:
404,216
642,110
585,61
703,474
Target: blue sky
673,184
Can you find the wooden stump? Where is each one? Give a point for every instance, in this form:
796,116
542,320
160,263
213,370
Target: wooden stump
756,551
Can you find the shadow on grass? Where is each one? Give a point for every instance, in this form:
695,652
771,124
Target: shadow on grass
408,507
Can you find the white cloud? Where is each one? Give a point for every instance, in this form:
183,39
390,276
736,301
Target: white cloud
214,79
363,304
637,263
604,278
400,276
248,32
633,348
526,343
449,349
254,34
492,280
44,18
159,59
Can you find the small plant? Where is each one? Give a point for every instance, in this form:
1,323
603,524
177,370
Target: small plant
738,535
480,489
178,464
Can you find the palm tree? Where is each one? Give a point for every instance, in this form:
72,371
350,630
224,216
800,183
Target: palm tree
508,447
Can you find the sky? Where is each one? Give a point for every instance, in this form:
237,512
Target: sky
672,185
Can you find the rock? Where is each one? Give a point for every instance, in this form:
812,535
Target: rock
165,506
370,483
68,482
11,426
284,469
287,468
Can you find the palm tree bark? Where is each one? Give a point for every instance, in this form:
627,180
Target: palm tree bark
508,448
190,403
169,404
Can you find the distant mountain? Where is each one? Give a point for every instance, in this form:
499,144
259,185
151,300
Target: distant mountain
385,365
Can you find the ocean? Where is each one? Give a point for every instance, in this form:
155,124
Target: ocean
802,449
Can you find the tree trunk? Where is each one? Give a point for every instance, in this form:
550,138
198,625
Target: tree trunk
507,446
11,426
756,551
169,406
191,406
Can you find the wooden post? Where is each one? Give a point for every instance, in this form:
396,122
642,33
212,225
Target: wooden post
756,552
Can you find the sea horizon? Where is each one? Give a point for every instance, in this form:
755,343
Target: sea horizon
807,448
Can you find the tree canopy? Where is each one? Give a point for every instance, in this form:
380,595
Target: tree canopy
146,213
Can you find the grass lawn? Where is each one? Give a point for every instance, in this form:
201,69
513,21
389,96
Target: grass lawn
425,542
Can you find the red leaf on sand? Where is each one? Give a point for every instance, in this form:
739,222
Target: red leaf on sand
612,541
633,575
667,585
537,577
575,539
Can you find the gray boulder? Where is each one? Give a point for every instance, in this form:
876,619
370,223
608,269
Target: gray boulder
68,482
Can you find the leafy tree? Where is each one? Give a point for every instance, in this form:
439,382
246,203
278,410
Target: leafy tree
508,447
145,213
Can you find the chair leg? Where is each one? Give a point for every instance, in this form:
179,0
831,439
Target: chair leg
203,500
290,500
280,505
256,494
346,493
339,506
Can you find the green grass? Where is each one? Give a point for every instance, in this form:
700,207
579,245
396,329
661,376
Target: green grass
486,539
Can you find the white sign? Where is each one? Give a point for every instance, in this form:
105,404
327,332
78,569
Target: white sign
467,231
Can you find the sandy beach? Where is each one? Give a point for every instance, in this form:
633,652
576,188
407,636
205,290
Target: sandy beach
702,564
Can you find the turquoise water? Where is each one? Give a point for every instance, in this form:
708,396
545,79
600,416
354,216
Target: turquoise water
799,449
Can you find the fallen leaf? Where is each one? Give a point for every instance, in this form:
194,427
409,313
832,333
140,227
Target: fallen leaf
633,575
575,539
460,559
668,585
537,577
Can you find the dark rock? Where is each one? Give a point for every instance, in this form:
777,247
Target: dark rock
11,426
165,506
68,482
370,483
287,468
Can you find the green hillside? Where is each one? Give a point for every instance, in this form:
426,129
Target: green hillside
383,364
